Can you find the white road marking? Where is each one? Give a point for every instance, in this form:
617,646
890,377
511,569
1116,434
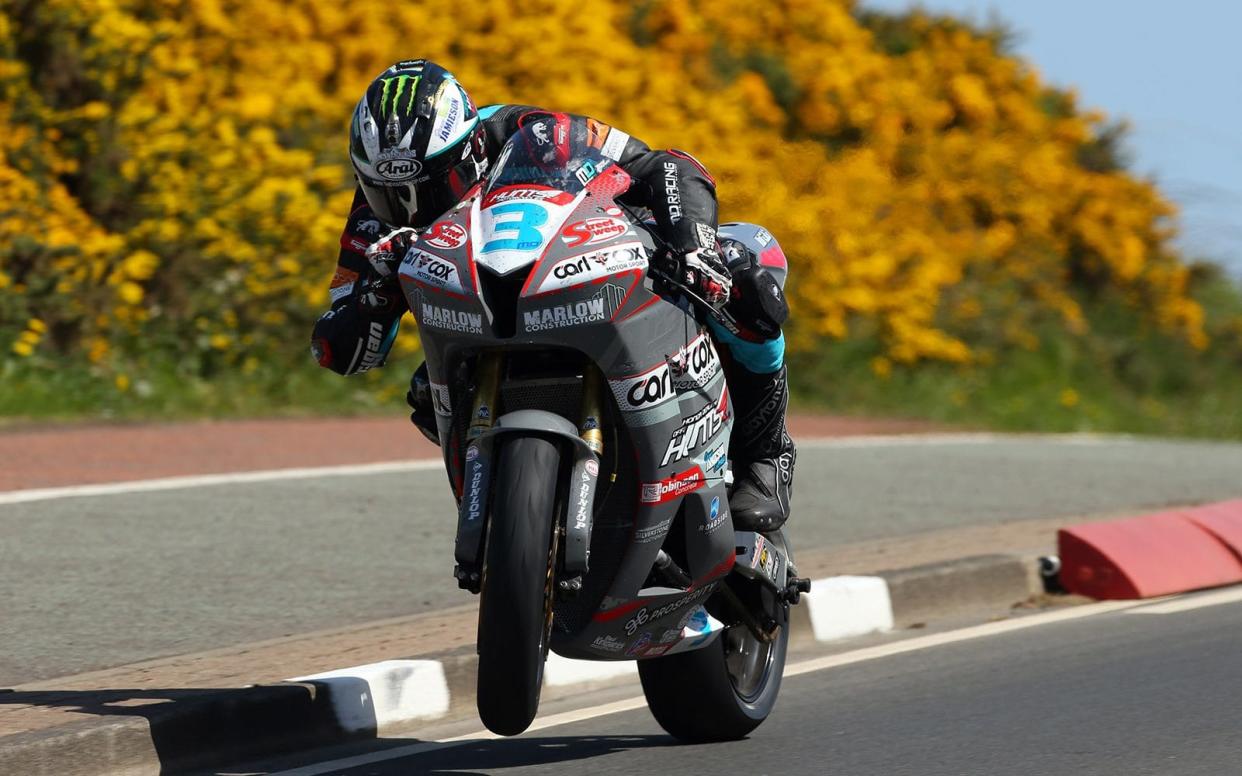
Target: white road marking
959,438
953,637
629,704
198,481
561,671
367,759
1187,603
806,666
388,467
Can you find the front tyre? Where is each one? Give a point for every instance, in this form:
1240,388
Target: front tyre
720,692
515,602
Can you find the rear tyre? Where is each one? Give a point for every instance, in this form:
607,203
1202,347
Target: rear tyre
720,692
515,602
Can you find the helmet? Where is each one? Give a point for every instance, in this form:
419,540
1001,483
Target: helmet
416,143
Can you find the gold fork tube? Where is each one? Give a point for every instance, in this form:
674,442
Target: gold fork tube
483,413
592,410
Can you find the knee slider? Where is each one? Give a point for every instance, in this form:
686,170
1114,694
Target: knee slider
757,300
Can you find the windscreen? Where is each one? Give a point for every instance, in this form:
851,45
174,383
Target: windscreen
547,152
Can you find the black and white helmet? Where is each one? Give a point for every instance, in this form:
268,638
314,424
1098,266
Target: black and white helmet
416,143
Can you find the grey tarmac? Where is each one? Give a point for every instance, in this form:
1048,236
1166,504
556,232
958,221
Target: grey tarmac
1124,692
96,582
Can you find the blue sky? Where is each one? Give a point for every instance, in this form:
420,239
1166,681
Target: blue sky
1174,70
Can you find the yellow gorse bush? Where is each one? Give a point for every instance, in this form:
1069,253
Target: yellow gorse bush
173,173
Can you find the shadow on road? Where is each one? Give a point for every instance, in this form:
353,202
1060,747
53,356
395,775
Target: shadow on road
478,758
206,729
188,728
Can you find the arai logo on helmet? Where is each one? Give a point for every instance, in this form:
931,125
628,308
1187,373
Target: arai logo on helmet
399,169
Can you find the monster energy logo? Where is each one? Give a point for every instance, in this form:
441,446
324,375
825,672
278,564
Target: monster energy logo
401,82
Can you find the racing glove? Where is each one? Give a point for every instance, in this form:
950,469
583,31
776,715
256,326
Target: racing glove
386,253
706,274
380,291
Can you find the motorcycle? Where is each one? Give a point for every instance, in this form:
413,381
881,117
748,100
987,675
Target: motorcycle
584,420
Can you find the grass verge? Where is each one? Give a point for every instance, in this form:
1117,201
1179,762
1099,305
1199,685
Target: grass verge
1111,380
1117,378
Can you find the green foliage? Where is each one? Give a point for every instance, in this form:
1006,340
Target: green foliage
162,389
1110,381
1121,377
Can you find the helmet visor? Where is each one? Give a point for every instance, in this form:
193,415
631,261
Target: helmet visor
419,204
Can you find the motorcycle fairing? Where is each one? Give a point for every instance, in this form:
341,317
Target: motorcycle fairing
511,227
617,322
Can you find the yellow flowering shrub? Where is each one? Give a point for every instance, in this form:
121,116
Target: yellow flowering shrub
173,173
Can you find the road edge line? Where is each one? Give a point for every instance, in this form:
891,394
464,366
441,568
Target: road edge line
23,496
366,701
202,480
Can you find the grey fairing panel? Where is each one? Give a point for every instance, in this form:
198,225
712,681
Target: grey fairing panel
639,333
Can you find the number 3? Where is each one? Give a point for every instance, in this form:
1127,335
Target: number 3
526,227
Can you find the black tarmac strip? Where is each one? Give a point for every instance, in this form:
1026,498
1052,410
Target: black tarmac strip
106,581
1115,694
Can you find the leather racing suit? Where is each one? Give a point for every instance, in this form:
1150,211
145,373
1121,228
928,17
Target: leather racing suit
357,333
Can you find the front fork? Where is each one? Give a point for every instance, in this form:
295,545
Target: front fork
476,474
586,442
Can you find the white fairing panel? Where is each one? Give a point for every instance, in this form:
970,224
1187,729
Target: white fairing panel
584,268
514,229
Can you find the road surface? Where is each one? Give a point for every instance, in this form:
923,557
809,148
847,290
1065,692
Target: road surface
93,582
1150,690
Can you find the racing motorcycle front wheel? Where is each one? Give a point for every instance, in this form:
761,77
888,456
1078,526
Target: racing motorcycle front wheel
515,602
720,692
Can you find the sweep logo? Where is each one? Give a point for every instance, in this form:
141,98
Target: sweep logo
593,231
446,235
441,402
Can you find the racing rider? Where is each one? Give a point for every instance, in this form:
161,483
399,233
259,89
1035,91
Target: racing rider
418,145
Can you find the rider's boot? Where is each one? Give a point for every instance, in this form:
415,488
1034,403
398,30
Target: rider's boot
762,451
420,401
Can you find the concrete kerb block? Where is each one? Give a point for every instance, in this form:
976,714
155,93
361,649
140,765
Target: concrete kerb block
956,587
461,670
383,696
847,606
87,748
388,697
197,732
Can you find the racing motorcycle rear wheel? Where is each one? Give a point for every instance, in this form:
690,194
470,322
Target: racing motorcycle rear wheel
720,692
515,602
